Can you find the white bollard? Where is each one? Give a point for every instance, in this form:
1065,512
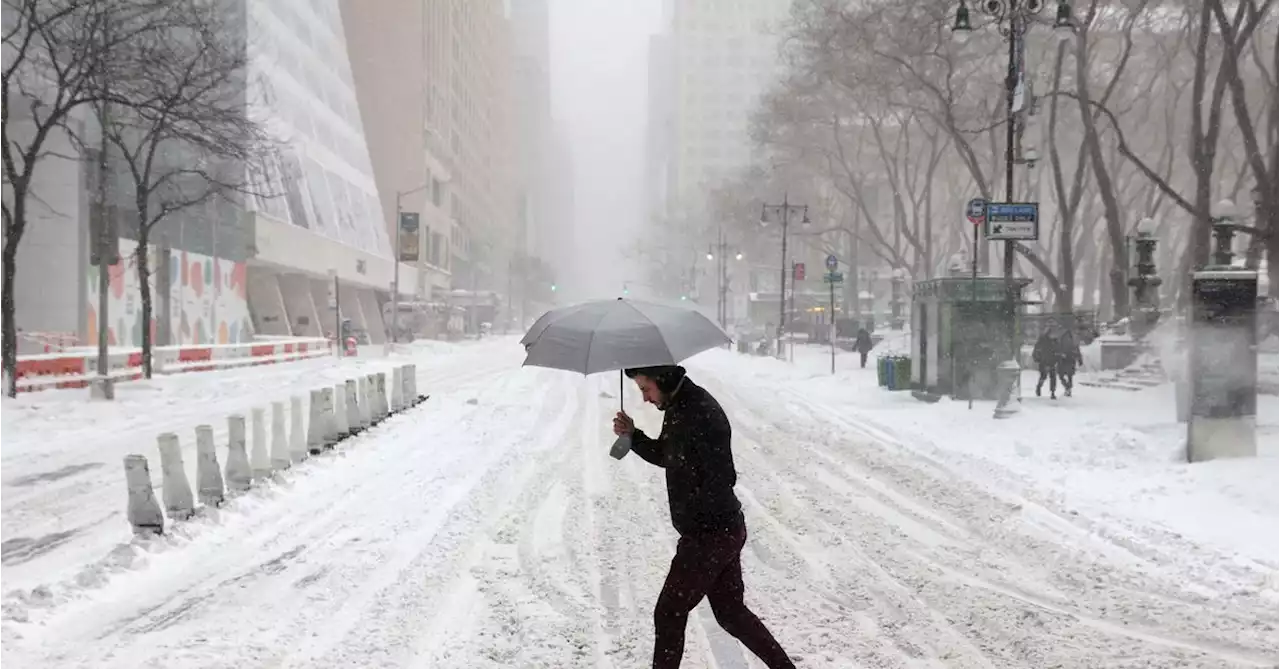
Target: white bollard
238,474
143,510
315,424
176,490
259,460
372,393
384,407
397,390
279,445
297,433
328,429
208,475
341,429
411,383
366,417
352,405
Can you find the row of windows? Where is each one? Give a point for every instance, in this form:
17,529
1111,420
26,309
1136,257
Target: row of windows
312,197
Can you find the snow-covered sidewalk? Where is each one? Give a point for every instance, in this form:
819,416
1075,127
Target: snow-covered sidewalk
489,528
61,476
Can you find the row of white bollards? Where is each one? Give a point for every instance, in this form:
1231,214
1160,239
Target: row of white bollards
334,414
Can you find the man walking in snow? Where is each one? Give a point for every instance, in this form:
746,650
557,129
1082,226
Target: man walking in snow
693,448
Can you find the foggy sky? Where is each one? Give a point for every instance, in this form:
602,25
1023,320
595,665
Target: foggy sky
598,91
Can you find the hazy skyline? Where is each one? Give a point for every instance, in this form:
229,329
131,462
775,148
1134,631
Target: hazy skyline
598,91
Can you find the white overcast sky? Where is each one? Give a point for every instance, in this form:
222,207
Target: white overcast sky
598,80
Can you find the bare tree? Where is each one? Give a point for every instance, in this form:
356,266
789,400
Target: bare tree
193,143
55,52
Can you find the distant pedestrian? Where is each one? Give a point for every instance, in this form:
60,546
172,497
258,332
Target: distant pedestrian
1046,354
863,345
693,448
1069,357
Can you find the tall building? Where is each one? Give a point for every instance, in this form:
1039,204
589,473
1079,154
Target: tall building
388,44
438,90
723,55
470,104
707,72
236,266
660,127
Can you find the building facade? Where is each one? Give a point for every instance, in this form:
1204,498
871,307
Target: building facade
261,262
388,50
450,106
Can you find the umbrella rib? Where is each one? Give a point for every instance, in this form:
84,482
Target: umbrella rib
661,335
586,363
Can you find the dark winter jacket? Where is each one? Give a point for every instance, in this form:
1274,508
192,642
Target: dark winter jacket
1047,350
694,450
1069,356
863,343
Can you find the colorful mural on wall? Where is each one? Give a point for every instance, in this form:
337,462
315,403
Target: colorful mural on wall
208,300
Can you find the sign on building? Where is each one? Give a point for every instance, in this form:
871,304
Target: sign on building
410,236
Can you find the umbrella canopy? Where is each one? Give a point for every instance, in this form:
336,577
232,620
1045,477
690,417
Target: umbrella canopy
616,334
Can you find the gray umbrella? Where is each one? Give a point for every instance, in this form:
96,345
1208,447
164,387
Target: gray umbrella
616,334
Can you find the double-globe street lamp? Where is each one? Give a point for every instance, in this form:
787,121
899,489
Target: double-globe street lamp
1012,18
720,252
783,213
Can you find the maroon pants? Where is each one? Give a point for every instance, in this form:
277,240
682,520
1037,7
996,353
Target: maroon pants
709,566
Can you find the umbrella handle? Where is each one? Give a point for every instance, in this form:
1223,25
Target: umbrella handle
621,404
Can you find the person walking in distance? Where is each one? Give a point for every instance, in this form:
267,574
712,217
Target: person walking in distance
693,448
1046,354
1068,359
863,345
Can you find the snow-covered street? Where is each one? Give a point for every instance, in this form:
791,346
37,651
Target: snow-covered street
488,527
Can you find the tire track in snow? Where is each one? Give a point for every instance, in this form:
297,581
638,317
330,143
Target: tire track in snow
988,616
95,497
813,547
410,616
331,524
1133,598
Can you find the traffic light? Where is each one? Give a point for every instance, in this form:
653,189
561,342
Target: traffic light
553,288
683,298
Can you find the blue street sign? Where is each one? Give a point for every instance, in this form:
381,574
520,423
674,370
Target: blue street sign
833,262
1018,221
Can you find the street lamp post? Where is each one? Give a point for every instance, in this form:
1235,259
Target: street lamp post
720,253
899,276
395,279
1013,18
1146,283
783,213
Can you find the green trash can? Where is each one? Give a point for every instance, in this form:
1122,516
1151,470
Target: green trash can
902,373
882,371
